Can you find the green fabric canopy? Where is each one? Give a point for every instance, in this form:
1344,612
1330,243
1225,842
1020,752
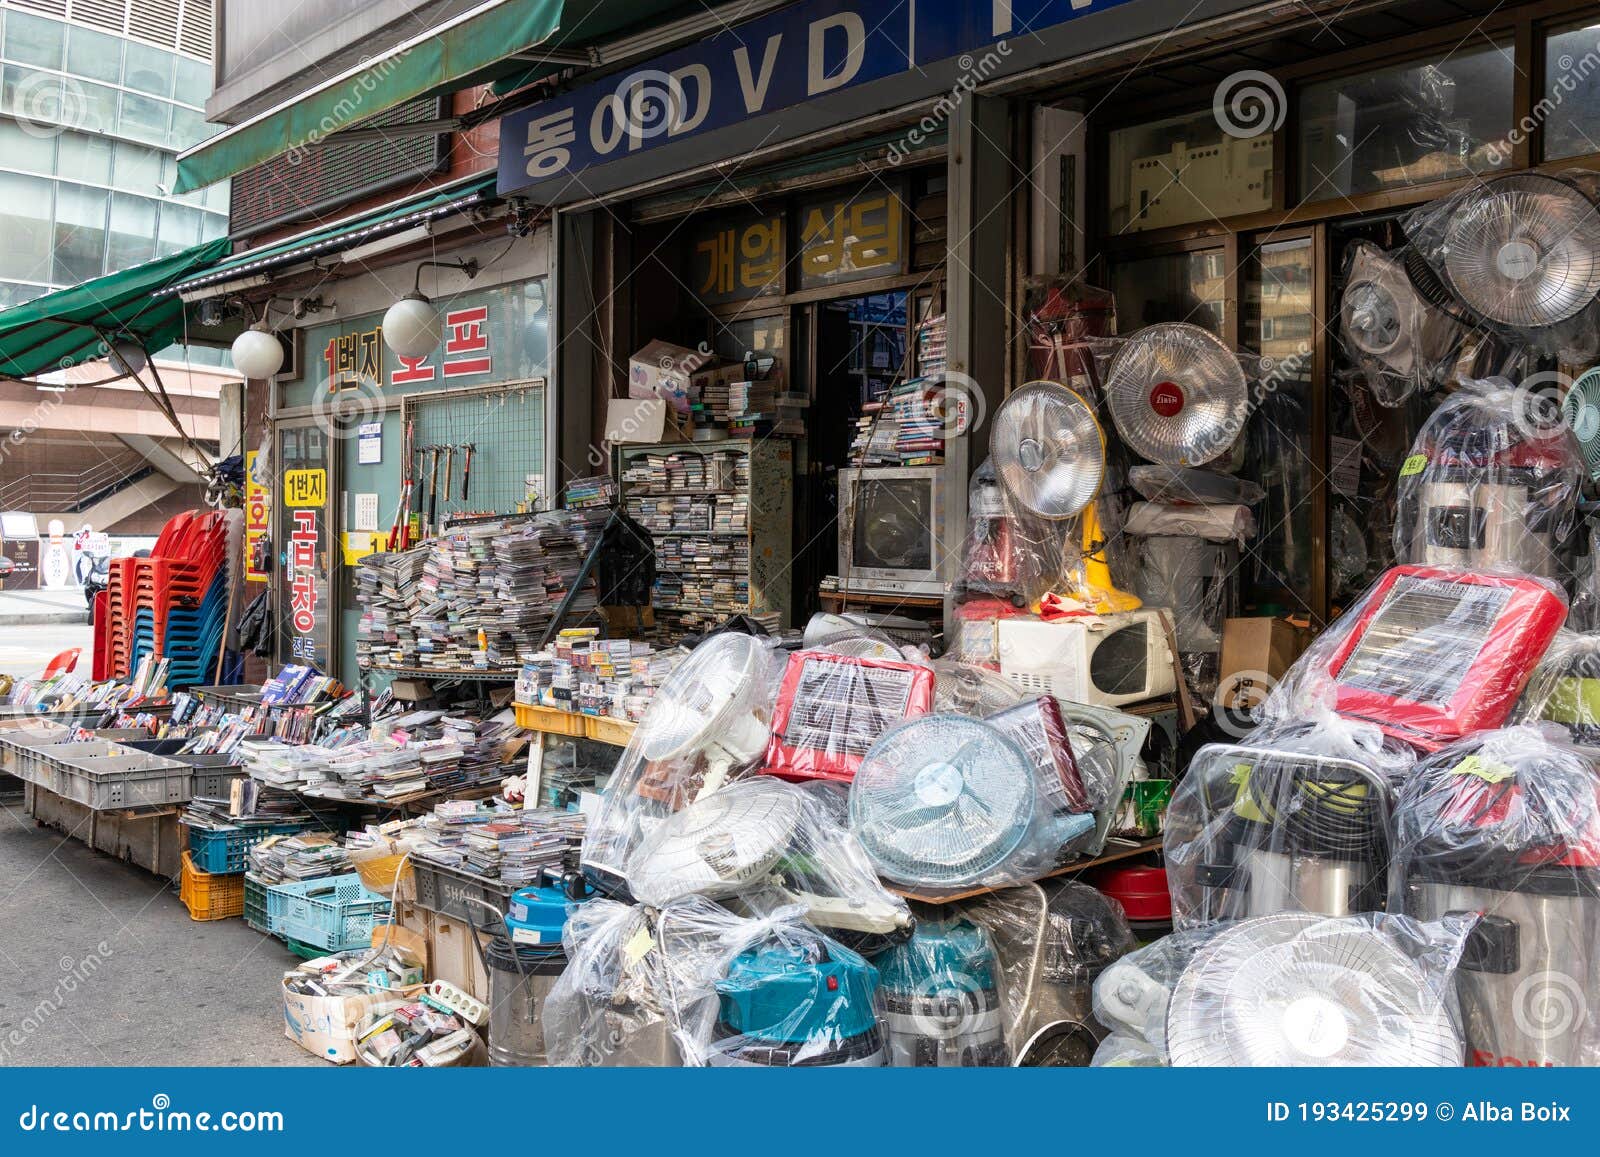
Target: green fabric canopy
64,328
443,59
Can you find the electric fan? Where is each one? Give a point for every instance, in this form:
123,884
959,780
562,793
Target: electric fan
1388,325
1298,990
1106,745
707,708
1177,394
964,689
941,802
1050,455
863,645
1581,411
1523,250
717,845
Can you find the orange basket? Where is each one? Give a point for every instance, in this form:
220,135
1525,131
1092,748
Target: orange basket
210,895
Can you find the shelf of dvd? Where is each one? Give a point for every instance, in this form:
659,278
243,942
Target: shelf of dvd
720,514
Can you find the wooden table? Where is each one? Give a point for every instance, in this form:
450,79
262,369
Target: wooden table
1114,850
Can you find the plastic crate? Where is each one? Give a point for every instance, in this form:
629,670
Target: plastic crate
255,904
208,896
128,780
229,851
334,914
604,729
550,720
451,892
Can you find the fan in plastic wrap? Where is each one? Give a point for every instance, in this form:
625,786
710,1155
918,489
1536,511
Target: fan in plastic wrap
705,707
1390,329
963,689
1524,250
941,801
717,845
1297,990
1581,411
1178,395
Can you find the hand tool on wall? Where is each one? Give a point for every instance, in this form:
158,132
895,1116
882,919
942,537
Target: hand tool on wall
400,529
433,490
449,462
466,469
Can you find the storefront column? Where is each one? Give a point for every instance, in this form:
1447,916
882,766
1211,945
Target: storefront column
975,293
576,362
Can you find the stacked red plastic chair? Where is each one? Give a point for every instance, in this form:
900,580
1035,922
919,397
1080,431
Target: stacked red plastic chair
173,605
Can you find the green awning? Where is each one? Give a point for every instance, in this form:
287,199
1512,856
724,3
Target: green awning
65,328
376,85
346,234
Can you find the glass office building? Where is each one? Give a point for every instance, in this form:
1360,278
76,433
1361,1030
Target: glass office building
96,99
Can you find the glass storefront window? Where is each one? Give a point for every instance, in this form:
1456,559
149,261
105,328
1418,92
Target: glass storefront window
148,69
193,81
32,152
137,168
1185,169
80,251
188,127
1189,287
34,40
145,118
84,158
1572,90
1407,125
97,108
94,55
25,212
132,237
180,229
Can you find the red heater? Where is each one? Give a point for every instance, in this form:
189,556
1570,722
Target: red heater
1437,653
831,709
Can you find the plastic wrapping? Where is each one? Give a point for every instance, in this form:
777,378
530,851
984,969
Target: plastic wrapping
1294,818
1178,485
1214,522
609,1008
941,996
1565,691
1507,823
708,720
765,833
768,991
1291,990
947,803
830,709
1403,344
1051,939
968,689
1428,653
1521,252
1194,578
1007,554
1491,483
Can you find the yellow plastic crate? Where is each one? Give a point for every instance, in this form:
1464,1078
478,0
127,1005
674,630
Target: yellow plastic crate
604,729
550,720
210,895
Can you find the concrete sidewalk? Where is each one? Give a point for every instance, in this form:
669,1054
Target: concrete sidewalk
41,608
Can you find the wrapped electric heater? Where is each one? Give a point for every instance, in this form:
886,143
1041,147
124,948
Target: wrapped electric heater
831,708
1565,690
1293,818
1050,941
1289,990
1491,483
1507,823
767,991
787,839
707,722
1428,654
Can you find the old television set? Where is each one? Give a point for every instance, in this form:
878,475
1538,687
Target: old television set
889,520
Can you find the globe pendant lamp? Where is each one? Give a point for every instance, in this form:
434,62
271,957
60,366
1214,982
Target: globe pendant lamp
412,327
257,352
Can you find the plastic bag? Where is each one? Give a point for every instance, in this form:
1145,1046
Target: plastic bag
608,1008
1516,254
831,708
1288,990
762,833
708,720
1051,939
1180,486
947,803
1507,823
1491,483
1565,691
1215,522
941,995
1403,344
767,991
1429,654
1007,554
1294,818
1196,580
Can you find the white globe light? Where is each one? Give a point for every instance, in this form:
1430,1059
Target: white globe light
412,327
257,354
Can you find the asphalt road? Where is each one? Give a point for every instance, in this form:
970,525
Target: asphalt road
24,650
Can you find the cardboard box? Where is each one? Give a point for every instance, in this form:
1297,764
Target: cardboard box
642,421
326,1025
667,371
1255,654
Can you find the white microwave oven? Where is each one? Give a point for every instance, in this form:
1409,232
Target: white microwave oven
1105,660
